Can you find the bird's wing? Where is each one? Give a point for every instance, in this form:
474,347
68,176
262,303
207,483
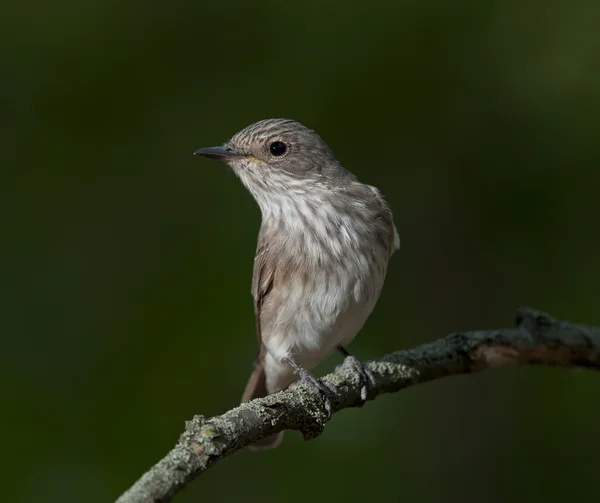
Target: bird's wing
392,238
262,282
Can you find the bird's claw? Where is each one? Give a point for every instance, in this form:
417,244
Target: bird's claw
364,375
319,388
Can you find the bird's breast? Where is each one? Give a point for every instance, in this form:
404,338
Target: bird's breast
329,275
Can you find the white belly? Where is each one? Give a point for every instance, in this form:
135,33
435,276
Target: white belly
317,317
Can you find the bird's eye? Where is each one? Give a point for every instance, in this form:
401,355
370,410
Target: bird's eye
277,148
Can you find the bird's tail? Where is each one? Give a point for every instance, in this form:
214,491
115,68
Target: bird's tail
257,388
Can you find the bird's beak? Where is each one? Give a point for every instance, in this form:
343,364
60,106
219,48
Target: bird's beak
222,153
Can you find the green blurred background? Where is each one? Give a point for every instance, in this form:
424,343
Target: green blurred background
127,261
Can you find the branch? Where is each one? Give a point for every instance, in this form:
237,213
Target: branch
538,339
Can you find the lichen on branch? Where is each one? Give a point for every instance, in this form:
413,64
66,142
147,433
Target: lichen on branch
538,339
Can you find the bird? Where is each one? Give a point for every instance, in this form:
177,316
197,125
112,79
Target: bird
322,254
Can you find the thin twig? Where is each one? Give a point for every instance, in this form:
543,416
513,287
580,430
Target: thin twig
538,339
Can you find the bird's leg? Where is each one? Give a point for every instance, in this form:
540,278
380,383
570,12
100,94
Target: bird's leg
317,386
365,376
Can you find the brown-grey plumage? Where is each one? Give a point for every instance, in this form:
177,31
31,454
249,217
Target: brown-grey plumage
322,252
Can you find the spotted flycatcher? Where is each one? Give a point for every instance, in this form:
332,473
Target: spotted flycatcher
322,255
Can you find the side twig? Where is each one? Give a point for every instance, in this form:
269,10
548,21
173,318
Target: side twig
538,339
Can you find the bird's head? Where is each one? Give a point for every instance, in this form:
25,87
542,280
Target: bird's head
278,155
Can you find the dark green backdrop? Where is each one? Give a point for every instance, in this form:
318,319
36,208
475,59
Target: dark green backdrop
127,262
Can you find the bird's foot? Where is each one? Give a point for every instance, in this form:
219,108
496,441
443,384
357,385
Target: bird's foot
318,387
365,377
